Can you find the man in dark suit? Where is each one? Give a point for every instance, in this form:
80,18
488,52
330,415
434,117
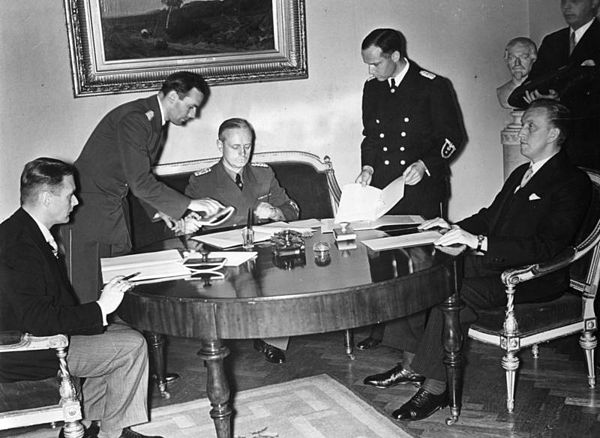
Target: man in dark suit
237,182
36,297
574,52
116,159
535,216
412,127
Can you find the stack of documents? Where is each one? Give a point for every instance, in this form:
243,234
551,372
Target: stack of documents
152,266
404,241
327,225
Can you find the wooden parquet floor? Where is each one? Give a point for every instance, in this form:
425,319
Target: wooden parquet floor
552,397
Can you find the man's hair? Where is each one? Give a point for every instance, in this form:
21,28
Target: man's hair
183,81
388,40
43,173
521,40
236,123
558,114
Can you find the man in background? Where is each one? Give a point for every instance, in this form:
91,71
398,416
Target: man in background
246,186
36,298
118,158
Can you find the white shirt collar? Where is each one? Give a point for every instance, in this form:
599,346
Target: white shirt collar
538,165
582,30
398,78
162,113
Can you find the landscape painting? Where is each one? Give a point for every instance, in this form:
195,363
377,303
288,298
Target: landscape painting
129,45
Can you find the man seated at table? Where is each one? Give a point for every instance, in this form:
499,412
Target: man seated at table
246,186
535,216
36,297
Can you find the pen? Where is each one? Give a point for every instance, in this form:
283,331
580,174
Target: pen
249,220
130,276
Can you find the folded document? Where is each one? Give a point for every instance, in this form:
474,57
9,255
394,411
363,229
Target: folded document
404,241
152,266
367,203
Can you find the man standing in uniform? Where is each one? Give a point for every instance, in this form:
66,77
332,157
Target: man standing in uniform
245,186
412,127
118,157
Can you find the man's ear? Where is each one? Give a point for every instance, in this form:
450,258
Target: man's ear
396,55
45,197
220,145
554,134
172,96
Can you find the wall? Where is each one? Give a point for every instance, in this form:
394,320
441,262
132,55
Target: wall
460,39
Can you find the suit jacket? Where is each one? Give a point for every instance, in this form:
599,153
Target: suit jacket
534,224
36,297
260,185
118,157
419,121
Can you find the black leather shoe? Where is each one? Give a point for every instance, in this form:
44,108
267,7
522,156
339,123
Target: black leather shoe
368,343
272,353
128,433
396,376
421,406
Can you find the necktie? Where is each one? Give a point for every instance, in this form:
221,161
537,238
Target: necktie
238,181
54,246
392,85
527,176
572,42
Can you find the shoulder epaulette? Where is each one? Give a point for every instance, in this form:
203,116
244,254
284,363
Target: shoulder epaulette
370,79
203,171
259,164
427,74
149,115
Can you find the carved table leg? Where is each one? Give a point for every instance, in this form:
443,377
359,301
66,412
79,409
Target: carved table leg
156,348
217,388
349,343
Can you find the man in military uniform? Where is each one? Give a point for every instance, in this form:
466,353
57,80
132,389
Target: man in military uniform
411,124
117,158
412,127
245,186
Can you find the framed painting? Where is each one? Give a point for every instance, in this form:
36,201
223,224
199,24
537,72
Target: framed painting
120,46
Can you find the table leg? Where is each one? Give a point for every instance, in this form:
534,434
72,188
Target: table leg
156,347
217,388
453,340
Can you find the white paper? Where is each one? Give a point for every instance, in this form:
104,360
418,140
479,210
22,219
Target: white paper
368,203
327,225
405,241
230,238
233,258
167,264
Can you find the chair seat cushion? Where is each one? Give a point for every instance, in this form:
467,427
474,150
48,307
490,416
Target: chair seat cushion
533,317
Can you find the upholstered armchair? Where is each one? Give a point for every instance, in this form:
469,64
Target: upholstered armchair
68,408
519,326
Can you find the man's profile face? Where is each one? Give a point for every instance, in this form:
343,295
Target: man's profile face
519,59
381,66
62,200
181,110
578,12
537,134
236,147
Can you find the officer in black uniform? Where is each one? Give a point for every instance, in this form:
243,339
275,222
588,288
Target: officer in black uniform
245,186
412,127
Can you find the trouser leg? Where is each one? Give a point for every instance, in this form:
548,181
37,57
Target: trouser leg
115,366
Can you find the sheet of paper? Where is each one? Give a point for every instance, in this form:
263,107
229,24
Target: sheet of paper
368,203
306,223
233,258
327,225
167,264
230,238
405,241
277,227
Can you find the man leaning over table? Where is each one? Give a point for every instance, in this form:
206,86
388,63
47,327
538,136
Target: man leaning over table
36,297
246,186
535,216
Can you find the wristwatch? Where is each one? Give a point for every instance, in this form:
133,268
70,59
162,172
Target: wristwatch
480,239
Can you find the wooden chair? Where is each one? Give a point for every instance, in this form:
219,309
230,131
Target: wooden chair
68,408
519,326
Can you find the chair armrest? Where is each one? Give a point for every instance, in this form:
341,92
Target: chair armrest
518,275
27,342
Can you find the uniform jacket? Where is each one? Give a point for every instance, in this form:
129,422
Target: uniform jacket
36,297
419,121
118,157
534,224
260,185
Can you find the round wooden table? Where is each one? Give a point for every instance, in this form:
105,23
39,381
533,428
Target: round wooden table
272,296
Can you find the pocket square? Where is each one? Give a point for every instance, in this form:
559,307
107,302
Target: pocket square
534,197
